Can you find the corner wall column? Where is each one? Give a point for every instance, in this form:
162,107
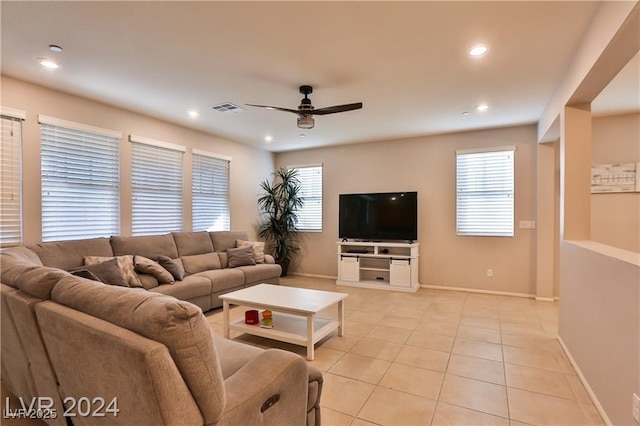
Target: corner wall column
545,217
575,172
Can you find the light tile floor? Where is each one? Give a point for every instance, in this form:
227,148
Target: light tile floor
441,358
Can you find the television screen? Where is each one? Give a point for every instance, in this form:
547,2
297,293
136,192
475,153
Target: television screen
379,216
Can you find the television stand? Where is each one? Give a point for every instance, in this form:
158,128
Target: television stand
379,265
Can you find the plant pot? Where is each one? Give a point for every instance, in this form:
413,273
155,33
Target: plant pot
284,263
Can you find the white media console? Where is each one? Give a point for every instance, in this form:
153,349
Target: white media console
381,265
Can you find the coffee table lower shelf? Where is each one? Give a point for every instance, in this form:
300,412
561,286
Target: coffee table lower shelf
290,329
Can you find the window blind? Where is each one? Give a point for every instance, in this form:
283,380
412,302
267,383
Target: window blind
485,192
310,215
156,187
11,187
210,192
80,176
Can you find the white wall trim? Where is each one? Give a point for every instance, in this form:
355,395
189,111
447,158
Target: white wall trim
545,299
584,382
211,154
154,142
488,149
476,290
302,166
13,113
302,274
52,121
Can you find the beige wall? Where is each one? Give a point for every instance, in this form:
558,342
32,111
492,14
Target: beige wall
427,165
615,218
248,166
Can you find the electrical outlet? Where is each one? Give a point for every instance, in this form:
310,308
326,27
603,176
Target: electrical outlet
489,273
636,407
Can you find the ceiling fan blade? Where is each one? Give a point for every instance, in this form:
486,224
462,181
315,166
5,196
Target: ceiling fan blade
337,108
295,111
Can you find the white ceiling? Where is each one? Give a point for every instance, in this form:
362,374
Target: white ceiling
406,61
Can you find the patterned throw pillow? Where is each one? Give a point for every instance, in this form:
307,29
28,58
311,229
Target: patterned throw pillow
125,263
257,246
147,266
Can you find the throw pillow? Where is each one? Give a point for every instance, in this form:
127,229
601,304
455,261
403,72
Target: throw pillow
125,263
200,262
172,266
258,249
241,256
85,273
108,272
147,266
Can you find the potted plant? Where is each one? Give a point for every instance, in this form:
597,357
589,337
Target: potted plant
279,204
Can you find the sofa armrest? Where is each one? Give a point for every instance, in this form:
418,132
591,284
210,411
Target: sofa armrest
271,389
269,259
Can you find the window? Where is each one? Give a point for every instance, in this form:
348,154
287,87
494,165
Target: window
485,192
80,175
156,186
310,216
11,172
210,192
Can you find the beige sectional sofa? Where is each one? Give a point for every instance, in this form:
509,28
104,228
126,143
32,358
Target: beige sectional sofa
66,337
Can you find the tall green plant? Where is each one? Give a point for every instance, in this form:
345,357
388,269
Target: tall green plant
279,204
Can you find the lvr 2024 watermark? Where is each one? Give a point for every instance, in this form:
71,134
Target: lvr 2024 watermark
42,407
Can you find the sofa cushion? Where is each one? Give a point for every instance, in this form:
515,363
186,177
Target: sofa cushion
70,254
224,240
234,355
148,281
179,325
39,281
240,256
144,265
174,266
191,287
260,273
223,279
13,261
149,246
224,259
257,246
189,243
200,262
125,263
108,272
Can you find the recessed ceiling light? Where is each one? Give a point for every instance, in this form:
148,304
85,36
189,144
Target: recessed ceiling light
302,135
268,138
465,112
48,64
193,114
478,50
482,107
55,48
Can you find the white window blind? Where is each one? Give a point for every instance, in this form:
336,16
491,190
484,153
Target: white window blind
310,215
156,187
485,192
80,176
210,192
11,188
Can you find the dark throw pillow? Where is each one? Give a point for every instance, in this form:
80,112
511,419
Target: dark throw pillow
241,256
173,267
107,272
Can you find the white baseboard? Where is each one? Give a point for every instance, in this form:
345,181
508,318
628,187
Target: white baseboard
584,382
545,299
481,291
301,274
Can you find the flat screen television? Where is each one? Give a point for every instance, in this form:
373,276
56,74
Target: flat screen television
379,216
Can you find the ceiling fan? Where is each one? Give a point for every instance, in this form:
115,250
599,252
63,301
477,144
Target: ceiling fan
306,111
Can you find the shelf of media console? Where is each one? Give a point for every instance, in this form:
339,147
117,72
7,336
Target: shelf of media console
378,264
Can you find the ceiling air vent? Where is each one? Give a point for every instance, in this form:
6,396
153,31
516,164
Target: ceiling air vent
227,108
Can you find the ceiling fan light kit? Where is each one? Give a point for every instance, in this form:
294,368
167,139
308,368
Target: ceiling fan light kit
306,122
306,111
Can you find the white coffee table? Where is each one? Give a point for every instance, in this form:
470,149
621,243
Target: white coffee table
294,313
